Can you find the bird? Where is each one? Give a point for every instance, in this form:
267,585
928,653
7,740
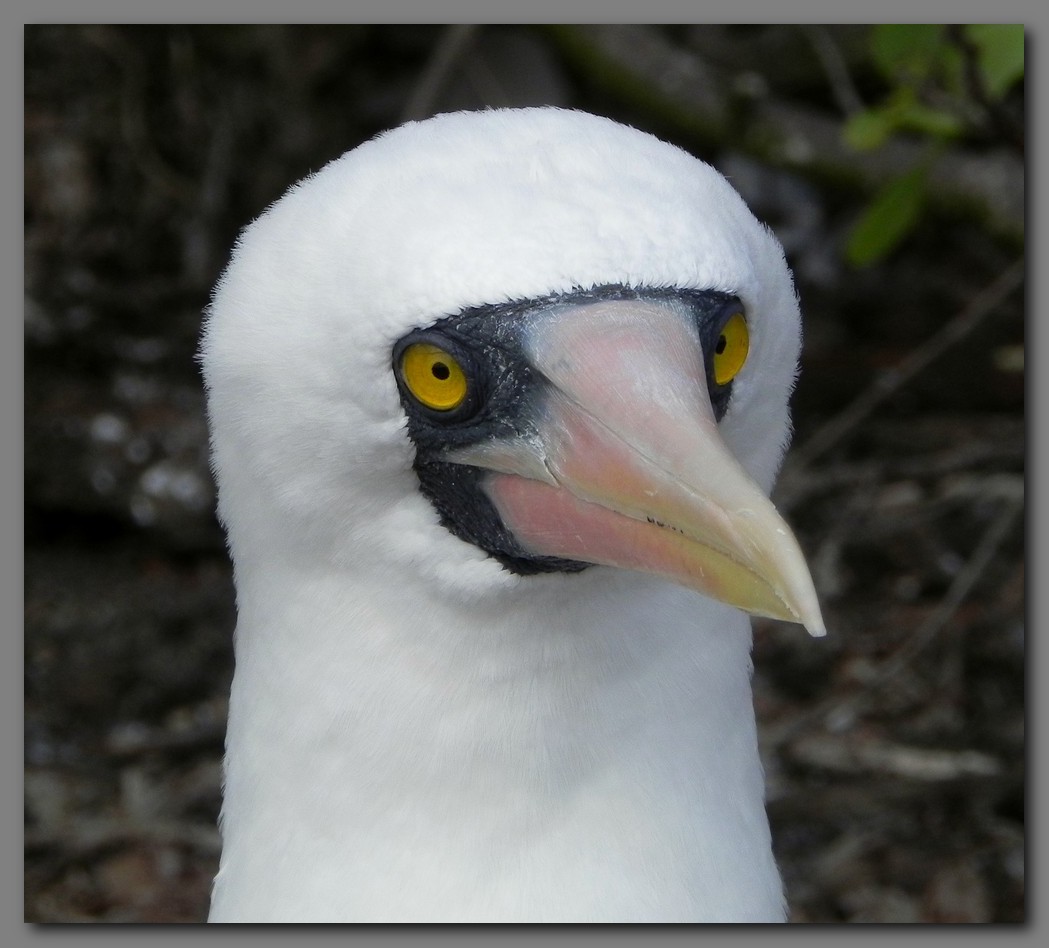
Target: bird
496,402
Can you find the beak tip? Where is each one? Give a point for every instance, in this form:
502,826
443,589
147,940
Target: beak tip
815,627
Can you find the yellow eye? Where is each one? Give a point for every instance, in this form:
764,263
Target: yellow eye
433,376
731,349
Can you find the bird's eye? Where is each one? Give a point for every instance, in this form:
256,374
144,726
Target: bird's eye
730,351
434,377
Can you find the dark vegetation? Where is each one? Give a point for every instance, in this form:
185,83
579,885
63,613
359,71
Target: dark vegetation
894,748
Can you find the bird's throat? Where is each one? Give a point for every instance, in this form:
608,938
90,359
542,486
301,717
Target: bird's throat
551,771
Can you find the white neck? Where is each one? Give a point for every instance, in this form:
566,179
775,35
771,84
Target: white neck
591,756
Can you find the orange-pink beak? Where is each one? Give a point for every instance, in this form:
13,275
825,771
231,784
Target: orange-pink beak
628,468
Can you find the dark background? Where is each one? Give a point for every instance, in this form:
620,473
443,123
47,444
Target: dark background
894,747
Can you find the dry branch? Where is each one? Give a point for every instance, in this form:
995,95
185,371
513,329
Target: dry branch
892,380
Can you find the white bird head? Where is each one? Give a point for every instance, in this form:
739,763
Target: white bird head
503,215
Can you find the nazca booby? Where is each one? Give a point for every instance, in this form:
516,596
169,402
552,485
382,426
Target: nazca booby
446,374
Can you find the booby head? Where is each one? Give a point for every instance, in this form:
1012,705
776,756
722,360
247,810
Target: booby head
589,338
462,383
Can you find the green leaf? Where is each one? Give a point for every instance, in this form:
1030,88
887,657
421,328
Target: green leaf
936,123
889,217
901,111
1000,54
906,49
869,129
950,72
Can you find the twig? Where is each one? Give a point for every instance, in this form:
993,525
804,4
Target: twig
83,842
154,741
959,590
888,383
133,114
998,119
841,85
826,563
87,838
901,760
447,52
821,480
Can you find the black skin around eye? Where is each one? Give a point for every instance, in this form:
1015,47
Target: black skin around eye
504,401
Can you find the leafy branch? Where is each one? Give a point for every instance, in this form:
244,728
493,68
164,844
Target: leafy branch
945,82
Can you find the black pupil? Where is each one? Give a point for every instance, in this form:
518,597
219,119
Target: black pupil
440,371
720,347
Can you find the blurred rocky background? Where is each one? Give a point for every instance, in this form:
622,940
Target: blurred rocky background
891,164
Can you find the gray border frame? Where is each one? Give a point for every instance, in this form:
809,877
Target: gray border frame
15,14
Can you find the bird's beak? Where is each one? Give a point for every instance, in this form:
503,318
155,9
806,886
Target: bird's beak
626,467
